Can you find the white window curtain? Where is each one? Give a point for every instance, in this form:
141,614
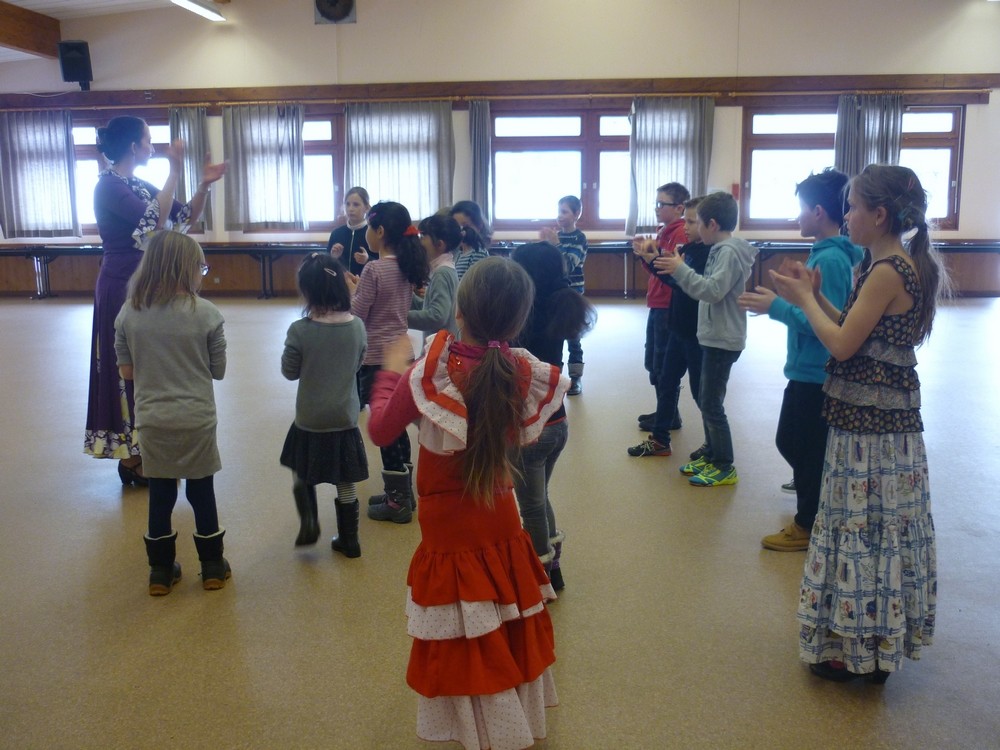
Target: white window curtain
265,184
403,152
869,131
190,124
480,132
671,141
37,177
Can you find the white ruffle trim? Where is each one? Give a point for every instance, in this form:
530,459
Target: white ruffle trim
511,720
444,432
465,619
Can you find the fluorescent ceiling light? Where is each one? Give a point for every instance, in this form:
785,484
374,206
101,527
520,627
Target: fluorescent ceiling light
203,9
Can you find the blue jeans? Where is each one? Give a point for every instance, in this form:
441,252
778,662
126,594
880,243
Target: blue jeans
715,367
532,486
657,335
682,355
573,346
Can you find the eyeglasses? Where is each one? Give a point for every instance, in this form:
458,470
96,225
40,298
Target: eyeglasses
204,269
664,204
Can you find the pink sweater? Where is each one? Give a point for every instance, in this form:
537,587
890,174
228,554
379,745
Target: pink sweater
382,301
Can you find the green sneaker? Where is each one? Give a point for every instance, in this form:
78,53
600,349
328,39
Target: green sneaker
713,477
695,467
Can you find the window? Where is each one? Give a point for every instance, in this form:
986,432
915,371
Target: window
540,156
322,138
783,146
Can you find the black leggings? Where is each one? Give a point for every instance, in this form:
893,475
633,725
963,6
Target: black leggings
163,496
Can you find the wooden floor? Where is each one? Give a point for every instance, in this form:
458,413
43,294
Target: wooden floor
676,630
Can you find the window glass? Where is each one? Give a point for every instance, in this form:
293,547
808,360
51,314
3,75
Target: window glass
159,133
529,184
155,171
531,127
614,185
615,125
788,124
319,188
928,122
86,180
774,173
933,167
84,136
317,130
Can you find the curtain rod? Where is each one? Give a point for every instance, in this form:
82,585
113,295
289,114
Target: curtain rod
505,97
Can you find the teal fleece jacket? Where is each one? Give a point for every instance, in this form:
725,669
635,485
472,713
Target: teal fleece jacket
721,322
835,257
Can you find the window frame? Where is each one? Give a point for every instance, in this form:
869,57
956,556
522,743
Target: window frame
335,149
590,144
952,140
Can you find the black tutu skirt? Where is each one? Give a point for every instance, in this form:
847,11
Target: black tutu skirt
326,457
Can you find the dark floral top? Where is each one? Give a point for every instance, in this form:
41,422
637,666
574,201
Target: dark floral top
877,390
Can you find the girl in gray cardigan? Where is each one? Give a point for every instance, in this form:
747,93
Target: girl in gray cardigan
170,342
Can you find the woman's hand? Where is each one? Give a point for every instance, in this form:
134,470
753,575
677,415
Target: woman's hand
398,355
211,172
175,155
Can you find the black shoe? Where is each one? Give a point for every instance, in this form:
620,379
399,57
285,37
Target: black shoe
575,387
129,475
840,674
647,417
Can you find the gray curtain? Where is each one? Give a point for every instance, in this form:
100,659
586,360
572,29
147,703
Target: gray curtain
190,124
265,183
480,131
869,131
37,175
403,152
671,141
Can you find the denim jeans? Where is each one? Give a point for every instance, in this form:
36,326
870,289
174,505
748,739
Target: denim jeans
715,367
657,335
682,355
532,487
801,441
574,347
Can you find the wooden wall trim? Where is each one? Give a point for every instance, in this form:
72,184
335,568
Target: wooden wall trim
27,31
731,91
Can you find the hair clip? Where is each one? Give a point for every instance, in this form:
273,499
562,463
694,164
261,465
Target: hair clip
411,231
313,256
331,272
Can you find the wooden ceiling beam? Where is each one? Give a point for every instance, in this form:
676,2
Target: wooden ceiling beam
27,31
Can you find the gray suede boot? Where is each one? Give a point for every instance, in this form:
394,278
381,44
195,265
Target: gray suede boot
215,570
164,570
395,503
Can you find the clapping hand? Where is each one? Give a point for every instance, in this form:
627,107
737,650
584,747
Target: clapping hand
550,235
668,263
361,257
645,248
352,282
758,301
212,172
796,283
398,355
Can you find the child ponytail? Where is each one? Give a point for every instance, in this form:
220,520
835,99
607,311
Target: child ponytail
494,298
403,238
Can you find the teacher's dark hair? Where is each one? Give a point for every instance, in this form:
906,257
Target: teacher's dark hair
116,138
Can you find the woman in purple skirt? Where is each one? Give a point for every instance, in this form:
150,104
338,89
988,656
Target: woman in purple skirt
127,209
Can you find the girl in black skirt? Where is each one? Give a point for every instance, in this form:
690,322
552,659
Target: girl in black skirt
324,351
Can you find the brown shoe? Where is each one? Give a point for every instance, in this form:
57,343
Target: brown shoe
790,539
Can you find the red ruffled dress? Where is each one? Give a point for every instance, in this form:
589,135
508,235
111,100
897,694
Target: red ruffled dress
476,591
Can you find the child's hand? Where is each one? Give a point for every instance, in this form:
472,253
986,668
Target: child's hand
361,257
337,250
668,263
645,248
794,282
758,301
352,282
420,291
398,355
548,234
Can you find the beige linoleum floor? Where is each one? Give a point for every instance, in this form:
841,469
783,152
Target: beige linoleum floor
676,630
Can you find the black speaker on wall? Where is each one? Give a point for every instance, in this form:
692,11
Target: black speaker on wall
74,61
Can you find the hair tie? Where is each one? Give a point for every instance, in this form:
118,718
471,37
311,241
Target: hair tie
410,231
493,344
313,256
331,272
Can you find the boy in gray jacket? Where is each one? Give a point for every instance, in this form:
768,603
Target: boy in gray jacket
722,330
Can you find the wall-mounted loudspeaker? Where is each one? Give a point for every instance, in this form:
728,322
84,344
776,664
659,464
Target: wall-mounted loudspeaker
335,11
74,61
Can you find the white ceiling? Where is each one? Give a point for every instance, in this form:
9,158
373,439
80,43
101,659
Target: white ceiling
65,10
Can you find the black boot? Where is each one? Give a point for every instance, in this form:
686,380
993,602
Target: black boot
346,542
305,503
384,497
575,378
555,568
396,504
164,570
215,570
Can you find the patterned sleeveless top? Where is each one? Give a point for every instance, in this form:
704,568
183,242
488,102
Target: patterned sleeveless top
877,390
